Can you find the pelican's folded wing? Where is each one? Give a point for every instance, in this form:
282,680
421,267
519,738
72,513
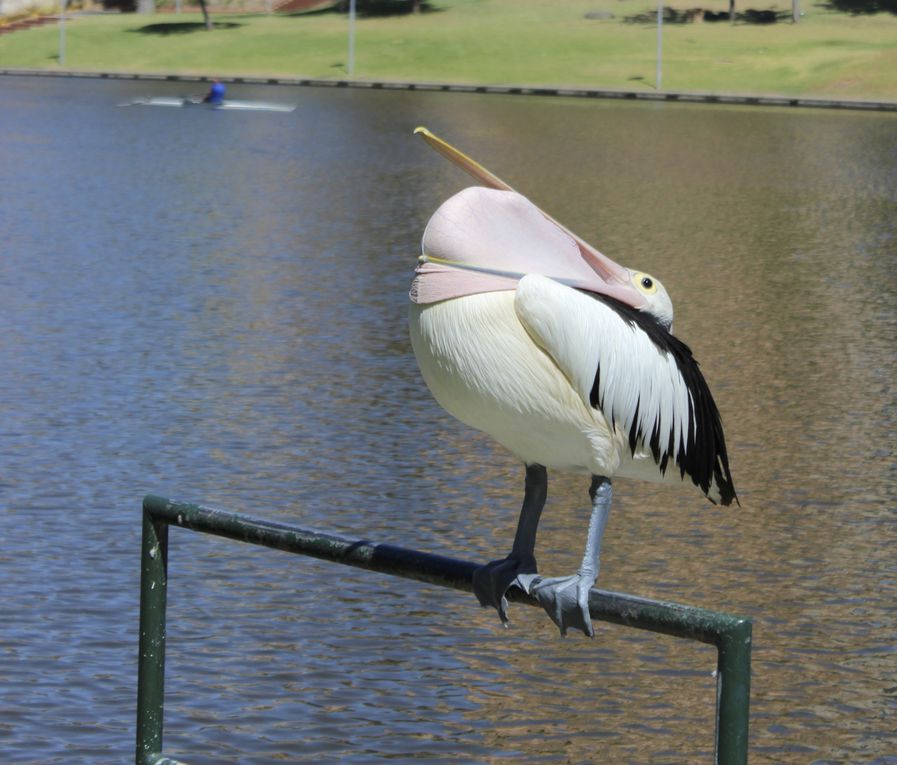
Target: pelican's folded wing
644,381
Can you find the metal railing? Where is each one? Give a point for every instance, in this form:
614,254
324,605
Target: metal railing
731,635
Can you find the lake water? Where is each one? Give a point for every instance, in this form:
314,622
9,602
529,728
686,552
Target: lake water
212,306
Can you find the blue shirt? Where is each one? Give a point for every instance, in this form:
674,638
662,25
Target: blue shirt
216,93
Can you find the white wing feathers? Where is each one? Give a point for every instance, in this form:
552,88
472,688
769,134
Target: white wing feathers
638,385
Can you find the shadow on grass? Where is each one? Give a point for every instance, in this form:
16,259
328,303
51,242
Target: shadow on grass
367,9
862,7
165,29
692,15
328,11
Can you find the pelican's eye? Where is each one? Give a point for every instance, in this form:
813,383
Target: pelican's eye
646,283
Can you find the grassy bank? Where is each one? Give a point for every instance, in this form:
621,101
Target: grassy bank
498,41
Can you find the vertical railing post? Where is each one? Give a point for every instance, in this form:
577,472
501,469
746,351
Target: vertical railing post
733,694
151,661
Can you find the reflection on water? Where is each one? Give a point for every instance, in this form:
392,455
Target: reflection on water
212,306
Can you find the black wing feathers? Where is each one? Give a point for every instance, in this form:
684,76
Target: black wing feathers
704,458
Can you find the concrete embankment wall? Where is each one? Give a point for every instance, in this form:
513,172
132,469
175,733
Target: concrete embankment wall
651,95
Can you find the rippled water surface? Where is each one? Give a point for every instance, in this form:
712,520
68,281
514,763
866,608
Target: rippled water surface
212,306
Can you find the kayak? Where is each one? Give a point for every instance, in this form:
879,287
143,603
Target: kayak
227,104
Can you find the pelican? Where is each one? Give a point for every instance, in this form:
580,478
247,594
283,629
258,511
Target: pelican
526,332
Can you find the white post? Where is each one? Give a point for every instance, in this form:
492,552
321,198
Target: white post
62,32
351,38
659,77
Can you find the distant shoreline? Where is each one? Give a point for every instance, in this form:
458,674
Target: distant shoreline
736,99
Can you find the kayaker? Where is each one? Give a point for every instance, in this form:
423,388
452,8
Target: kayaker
215,95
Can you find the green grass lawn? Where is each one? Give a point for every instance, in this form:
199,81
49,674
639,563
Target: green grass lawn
497,42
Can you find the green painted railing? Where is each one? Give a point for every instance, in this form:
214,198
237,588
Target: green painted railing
730,635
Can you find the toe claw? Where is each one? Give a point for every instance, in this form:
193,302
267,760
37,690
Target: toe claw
492,581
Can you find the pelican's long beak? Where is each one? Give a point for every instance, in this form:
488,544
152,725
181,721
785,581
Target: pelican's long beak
612,273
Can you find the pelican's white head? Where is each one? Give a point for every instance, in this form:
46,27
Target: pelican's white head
657,299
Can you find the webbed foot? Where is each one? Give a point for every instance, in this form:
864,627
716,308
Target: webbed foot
566,600
492,581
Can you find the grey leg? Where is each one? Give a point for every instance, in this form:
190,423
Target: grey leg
566,599
490,582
